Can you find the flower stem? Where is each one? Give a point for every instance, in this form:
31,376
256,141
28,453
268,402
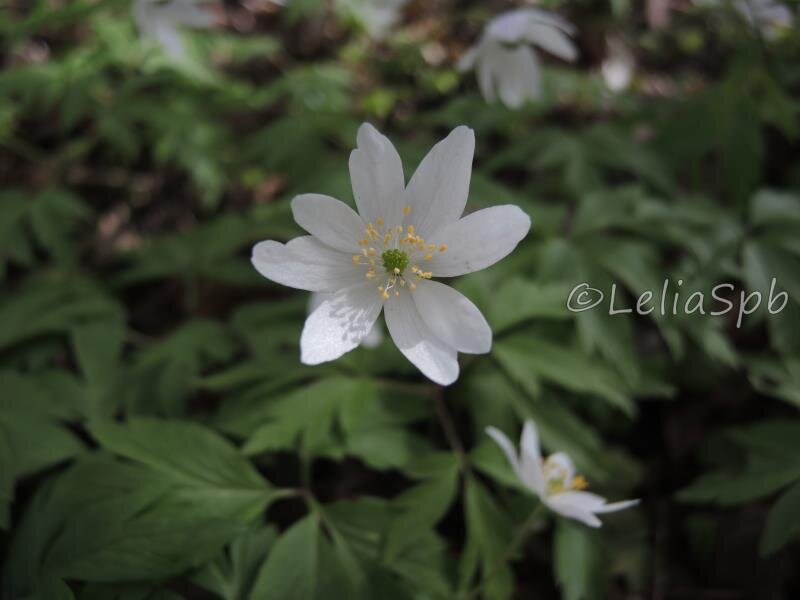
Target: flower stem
448,426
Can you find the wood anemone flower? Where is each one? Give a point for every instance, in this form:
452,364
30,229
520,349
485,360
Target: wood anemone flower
553,479
385,256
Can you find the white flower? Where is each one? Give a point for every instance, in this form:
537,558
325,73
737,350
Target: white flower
553,479
505,63
384,256
769,16
377,16
374,336
160,21
617,68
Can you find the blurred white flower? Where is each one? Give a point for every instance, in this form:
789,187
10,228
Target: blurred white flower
376,16
160,21
617,69
505,63
553,479
384,256
769,16
373,338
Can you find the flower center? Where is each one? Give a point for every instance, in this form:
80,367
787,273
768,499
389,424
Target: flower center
395,261
558,481
398,248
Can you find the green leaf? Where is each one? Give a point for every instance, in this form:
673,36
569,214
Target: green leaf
232,574
518,300
304,564
729,487
189,454
526,356
6,478
488,538
578,561
163,374
52,303
783,524
107,521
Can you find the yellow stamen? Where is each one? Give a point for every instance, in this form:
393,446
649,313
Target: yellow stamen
407,210
356,258
579,483
443,247
379,221
428,256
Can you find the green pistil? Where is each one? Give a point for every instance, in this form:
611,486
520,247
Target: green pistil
395,259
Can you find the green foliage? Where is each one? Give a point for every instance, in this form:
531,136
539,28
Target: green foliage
765,461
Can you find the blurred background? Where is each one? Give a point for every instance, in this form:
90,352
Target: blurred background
159,438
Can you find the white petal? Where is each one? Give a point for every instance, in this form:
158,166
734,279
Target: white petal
509,27
434,358
374,336
468,59
615,506
330,221
519,78
437,193
339,324
553,40
589,502
452,317
508,449
169,38
305,264
564,506
552,20
583,500
376,174
189,13
315,299
560,467
478,240
531,458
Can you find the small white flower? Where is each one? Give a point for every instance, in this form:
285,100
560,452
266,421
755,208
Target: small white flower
373,338
617,68
160,21
384,256
377,16
769,16
553,479
506,65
